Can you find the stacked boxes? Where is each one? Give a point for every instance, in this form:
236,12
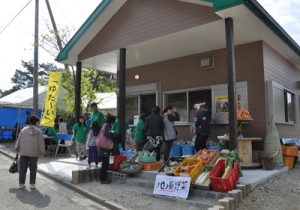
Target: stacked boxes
290,156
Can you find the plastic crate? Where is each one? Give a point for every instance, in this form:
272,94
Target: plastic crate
210,155
166,164
190,162
149,159
118,159
187,150
224,185
152,166
217,148
203,187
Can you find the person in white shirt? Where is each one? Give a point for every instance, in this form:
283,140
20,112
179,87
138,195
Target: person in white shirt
62,129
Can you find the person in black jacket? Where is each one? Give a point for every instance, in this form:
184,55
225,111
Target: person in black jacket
154,127
202,127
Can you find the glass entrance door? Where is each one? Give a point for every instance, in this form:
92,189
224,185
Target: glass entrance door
147,102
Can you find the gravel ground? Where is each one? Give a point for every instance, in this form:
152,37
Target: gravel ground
282,192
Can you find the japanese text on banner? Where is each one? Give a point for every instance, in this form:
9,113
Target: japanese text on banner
50,100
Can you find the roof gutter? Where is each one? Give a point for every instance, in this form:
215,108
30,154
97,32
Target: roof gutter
266,18
63,55
262,14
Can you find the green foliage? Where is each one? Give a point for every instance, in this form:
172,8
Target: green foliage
24,78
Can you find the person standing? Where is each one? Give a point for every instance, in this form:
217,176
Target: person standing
91,145
87,119
62,129
96,115
79,134
116,129
30,145
202,127
154,129
170,115
27,119
139,136
104,153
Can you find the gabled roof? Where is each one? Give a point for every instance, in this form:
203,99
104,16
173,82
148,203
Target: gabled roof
251,23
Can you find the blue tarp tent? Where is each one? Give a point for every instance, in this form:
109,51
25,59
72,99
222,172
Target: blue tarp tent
9,116
13,108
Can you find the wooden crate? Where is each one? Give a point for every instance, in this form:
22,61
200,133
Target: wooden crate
245,151
289,161
291,151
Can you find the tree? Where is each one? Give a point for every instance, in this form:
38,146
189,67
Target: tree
24,78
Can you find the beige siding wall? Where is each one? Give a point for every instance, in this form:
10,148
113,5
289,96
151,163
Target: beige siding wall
138,21
185,73
278,69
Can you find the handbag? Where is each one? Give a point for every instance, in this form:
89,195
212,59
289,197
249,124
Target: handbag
14,166
103,142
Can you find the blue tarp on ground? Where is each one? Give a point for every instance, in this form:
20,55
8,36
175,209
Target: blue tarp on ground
9,116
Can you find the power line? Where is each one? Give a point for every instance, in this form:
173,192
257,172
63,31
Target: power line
15,17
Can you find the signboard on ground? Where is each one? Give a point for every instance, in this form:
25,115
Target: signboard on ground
175,186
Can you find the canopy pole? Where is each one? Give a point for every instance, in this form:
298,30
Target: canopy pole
231,77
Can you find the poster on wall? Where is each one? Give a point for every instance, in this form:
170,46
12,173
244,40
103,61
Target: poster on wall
221,103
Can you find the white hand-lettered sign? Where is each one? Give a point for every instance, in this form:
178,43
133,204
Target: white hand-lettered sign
175,186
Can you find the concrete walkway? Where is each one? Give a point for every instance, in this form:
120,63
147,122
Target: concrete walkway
60,169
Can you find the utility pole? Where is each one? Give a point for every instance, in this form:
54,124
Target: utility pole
36,59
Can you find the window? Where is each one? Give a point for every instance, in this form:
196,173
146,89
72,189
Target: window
289,101
281,103
185,102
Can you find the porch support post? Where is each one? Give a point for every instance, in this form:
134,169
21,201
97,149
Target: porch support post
77,90
231,77
122,95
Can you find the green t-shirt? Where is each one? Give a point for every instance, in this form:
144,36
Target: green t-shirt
80,132
50,132
138,136
98,117
116,126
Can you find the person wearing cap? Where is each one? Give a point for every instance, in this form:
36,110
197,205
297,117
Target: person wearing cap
29,146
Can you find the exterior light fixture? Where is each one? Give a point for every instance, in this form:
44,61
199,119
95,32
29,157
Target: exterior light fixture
137,77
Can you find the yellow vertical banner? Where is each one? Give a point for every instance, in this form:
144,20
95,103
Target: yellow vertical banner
49,112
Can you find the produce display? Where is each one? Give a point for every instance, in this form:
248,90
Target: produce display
231,158
170,166
203,178
243,114
143,156
130,167
189,167
206,155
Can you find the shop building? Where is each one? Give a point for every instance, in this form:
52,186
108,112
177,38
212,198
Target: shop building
176,52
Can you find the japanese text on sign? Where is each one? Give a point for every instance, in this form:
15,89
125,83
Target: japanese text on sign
172,186
50,100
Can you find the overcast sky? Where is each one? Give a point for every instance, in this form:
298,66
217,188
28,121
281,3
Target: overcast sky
17,38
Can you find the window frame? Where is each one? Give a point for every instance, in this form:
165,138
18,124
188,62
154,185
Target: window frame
186,91
277,95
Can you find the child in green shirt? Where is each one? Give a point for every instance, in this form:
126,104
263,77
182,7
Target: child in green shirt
79,133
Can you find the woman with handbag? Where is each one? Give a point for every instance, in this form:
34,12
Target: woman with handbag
30,145
105,144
